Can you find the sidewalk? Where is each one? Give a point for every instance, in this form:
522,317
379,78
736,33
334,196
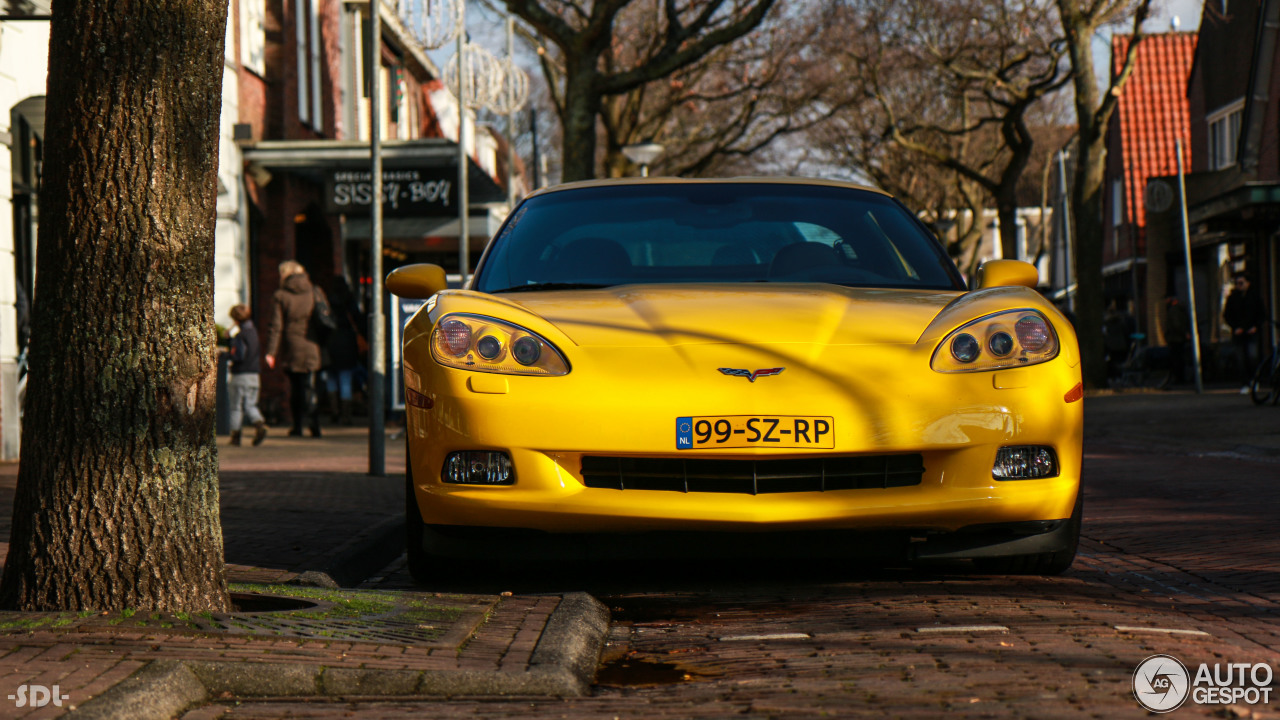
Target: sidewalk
294,506
1220,421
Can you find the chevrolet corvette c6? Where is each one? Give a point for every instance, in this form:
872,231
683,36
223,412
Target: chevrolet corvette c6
644,359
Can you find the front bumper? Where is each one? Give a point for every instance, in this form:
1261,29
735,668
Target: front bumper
955,422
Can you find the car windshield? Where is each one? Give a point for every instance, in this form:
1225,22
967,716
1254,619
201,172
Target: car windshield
713,233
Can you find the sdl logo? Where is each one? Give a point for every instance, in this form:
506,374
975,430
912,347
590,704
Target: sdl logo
39,696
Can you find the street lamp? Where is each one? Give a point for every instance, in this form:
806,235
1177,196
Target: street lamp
643,154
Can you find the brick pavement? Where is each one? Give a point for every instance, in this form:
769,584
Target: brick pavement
287,506
1181,499
1179,536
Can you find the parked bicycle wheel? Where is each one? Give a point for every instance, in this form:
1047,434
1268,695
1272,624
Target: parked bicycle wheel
1265,386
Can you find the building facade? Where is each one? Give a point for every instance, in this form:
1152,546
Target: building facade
24,52
1149,119
294,142
1233,191
302,139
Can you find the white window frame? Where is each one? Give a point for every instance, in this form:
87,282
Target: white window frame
1117,202
253,36
1224,126
303,61
317,97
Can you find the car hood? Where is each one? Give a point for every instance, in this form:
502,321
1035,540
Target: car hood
666,315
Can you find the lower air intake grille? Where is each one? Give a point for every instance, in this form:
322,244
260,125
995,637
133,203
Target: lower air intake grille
753,477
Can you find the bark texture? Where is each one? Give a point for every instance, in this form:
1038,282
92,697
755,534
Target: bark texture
117,502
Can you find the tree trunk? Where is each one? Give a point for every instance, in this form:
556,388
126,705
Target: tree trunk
581,105
117,500
1086,197
1080,22
1007,211
1086,219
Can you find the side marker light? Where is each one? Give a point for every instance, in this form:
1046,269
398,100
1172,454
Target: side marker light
1074,394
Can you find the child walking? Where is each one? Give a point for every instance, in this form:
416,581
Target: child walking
244,383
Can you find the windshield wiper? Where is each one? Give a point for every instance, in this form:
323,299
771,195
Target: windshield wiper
549,286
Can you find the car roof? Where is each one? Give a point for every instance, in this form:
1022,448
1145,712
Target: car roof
615,182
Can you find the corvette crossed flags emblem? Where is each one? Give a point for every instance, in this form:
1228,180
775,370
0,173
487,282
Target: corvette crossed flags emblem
751,376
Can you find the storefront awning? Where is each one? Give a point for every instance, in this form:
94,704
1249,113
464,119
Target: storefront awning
419,178
429,233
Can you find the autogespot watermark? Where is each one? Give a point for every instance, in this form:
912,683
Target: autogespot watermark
38,696
1161,684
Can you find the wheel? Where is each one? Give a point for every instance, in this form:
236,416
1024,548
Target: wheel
417,560
1050,563
1262,389
424,566
1159,379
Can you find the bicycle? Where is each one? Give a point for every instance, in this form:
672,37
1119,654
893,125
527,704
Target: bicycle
1265,385
1144,367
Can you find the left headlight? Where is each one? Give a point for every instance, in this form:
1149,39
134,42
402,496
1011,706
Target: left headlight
485,344
1016,338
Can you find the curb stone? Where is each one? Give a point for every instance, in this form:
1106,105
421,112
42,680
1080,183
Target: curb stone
563,664
572,640
160,690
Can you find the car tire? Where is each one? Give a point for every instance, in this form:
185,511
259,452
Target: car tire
425,567
416,558
1049,563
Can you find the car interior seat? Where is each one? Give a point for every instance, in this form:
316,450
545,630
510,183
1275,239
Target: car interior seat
735,254
592,257
802,256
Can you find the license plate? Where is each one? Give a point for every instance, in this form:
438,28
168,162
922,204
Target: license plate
748,431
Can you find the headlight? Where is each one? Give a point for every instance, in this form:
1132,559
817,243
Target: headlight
1016,338
485,344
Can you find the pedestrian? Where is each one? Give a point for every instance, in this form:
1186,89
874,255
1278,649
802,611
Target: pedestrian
1246,315
1177,333
244,383
1118,328
345,347
292,343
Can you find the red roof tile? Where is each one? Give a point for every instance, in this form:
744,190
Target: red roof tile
1153,112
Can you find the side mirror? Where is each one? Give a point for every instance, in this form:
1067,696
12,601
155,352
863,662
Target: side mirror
1002,273
416,282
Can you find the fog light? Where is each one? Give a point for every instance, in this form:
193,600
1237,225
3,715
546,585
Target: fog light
478,468
1025,462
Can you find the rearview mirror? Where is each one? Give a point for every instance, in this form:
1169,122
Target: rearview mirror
1002,273
416,282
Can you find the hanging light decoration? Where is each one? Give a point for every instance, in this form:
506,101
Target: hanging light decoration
434,23
514,91
482,76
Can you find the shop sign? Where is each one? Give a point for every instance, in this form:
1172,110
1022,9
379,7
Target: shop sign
405,192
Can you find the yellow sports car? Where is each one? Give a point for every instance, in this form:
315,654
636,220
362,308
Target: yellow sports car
720,360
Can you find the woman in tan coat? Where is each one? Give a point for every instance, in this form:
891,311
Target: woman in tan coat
291,344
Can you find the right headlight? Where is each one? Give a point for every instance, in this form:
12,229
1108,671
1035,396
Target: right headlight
1015,338
485,344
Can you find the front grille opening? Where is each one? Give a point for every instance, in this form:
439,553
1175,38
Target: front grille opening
753,477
